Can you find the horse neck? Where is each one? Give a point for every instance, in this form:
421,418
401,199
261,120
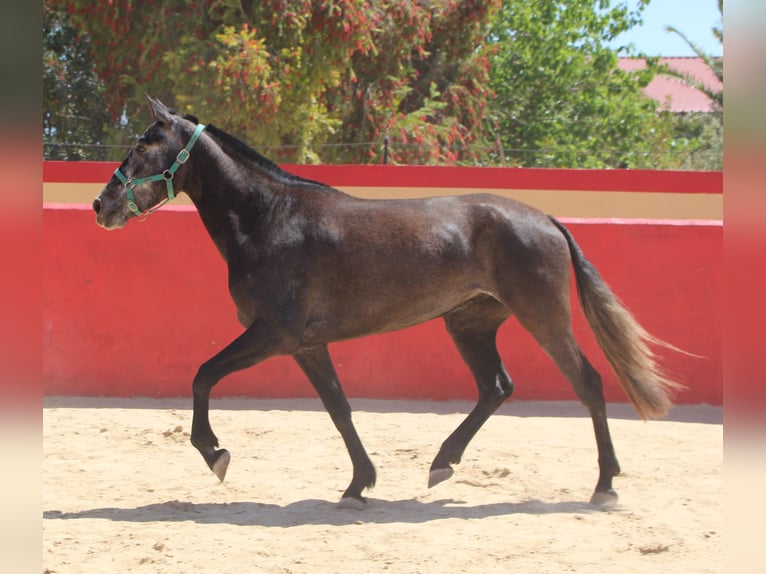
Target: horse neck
231,196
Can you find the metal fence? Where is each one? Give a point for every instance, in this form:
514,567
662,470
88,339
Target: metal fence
387,152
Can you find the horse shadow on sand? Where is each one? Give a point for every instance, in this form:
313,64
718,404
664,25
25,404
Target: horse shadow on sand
321,512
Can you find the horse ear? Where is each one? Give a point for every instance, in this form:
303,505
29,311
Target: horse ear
159,111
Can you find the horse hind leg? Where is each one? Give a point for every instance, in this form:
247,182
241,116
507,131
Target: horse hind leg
550,325
473,327
587,385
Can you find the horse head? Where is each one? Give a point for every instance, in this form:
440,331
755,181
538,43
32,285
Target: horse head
151,172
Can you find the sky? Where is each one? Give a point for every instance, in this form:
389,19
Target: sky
695,18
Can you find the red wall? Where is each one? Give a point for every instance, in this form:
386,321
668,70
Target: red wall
134,312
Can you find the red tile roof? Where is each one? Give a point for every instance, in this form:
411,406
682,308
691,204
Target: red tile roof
672,93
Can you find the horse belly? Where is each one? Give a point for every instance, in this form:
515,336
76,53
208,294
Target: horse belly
388,309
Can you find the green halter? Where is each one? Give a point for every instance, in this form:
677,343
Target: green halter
167,176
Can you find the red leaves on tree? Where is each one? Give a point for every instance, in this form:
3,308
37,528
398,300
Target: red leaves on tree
303,72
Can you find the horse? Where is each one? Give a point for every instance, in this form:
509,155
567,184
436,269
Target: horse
309,265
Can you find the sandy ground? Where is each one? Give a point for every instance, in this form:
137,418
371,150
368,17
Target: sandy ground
124,491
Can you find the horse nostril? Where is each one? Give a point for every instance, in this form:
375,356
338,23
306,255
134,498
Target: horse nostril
97,205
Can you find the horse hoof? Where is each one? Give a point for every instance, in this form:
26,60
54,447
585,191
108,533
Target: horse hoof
604,499
353,503
221,464
439,475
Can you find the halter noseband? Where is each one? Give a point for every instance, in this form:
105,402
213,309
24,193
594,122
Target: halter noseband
166,176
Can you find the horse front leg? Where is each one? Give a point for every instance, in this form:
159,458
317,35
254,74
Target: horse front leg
317,365
256,344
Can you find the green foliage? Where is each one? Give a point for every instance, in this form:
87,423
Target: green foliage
702,137
446,82
74,105
702,132
425,86
561,100
299,74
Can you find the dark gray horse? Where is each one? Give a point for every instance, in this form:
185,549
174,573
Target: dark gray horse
309,265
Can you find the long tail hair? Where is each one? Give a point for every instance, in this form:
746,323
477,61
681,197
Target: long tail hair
626,344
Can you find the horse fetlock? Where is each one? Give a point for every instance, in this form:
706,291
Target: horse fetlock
366,480
203,438
609,466
363,478
365,475
354,491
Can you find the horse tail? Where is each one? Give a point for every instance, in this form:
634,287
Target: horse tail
624,341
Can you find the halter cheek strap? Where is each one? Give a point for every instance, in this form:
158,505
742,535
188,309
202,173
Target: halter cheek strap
166,176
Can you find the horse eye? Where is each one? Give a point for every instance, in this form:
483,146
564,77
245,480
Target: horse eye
140,148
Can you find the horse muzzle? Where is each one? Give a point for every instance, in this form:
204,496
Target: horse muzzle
108,219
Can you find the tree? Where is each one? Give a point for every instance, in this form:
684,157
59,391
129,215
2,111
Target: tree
73,110
561,100
426,86
445,81
702,132
299,74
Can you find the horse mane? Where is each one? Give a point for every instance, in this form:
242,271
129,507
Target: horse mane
241,150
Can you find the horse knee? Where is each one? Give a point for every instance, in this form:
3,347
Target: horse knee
205,379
